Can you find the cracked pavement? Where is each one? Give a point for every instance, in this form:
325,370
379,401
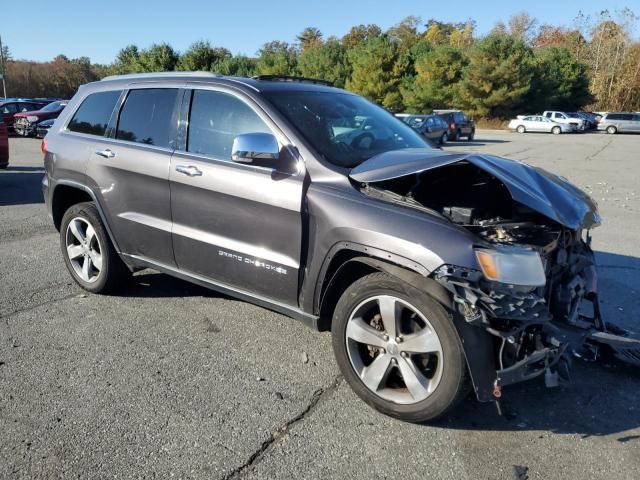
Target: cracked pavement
170,379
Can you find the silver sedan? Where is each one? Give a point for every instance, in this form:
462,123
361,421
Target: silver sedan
538,123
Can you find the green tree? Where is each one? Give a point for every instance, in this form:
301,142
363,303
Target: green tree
200,56
126,60
498,76
239,66
326,61
560,81
310,37
373,73
159,57
437,81
277,58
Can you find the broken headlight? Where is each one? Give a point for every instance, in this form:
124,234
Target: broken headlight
512,265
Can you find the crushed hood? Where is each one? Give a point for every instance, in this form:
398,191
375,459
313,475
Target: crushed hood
533,187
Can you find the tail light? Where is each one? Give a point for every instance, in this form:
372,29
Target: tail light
43,146
452,125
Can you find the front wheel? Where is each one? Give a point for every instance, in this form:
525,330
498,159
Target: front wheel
88,253
444,138
398,349
556,130
471,136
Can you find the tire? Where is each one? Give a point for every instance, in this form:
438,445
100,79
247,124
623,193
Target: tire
521,129
556,130
612,130
444,138
471,136
445,370
456,138
106,271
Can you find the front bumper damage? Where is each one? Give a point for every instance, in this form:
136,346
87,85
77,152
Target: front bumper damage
536,332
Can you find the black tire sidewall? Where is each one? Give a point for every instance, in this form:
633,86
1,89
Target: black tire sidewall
110,259
453,382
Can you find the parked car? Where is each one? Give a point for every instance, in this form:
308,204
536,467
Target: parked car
620,122
562,117
25,123
431,127
10,108
538,123
4,145
43,127
459,124
429,268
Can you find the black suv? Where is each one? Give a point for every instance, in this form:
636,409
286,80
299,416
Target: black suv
434,271
459,124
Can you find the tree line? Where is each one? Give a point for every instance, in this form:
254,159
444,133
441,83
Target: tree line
519,66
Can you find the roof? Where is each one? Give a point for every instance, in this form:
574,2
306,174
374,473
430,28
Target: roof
261,84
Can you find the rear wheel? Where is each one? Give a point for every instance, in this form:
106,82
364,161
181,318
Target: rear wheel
612,130
444,138
398,349
521,129
556,130
456,138
88,253
471,135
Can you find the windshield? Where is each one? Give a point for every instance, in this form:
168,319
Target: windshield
53,107
345,129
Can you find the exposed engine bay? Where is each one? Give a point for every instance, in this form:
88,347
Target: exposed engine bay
536,330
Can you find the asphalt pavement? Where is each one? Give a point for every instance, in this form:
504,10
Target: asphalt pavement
167,379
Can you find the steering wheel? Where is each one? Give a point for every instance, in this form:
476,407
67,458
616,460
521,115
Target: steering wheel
362,141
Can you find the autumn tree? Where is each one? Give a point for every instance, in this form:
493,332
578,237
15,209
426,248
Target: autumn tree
309,37
360,34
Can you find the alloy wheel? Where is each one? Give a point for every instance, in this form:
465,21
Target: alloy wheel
84,249
394,349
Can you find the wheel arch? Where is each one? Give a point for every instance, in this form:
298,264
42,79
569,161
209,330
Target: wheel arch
68,193
477,343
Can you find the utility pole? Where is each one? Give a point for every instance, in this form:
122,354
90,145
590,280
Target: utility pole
2,65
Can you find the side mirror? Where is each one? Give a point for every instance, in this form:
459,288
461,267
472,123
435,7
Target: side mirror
254,146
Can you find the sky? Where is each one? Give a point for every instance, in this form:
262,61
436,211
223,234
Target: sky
39,30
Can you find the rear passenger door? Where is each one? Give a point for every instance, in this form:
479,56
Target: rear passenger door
131,169
236,224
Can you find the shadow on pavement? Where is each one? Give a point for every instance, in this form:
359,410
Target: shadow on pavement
21,185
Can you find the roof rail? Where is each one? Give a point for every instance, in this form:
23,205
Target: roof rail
151,75
291,78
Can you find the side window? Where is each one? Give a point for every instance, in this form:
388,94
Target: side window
9,108
429,122
636,118
216,118
93,115
627,116
548,114
147,117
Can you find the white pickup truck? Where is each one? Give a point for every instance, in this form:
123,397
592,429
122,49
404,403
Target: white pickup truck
577,123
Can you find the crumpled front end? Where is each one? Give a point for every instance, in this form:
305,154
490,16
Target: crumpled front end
542,309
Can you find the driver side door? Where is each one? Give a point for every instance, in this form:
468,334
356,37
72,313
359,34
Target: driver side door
238,225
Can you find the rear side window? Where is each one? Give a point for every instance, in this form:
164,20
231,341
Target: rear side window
147,117
216,119
93,115
627,116
614,116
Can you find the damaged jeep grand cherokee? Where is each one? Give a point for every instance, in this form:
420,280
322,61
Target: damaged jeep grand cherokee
434,271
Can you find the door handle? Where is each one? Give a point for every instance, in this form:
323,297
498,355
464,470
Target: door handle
189,170
106,153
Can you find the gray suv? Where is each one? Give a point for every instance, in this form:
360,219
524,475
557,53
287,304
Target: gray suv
436,272
620,123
